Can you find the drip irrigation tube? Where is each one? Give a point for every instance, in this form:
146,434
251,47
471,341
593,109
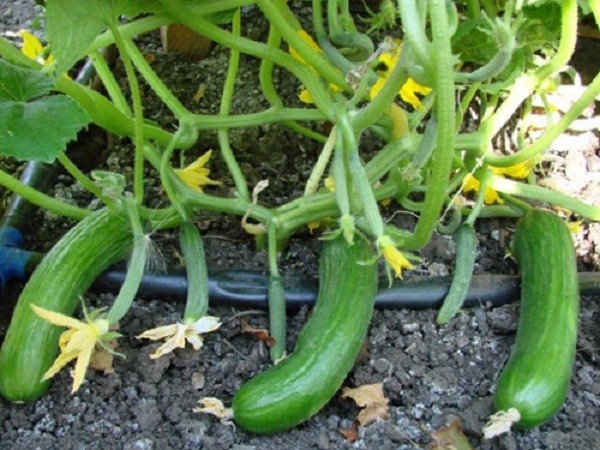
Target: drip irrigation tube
249,289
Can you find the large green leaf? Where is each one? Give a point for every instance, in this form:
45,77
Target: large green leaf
40,129
21,84
72,25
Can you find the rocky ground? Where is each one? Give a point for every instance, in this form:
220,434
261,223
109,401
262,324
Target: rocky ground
430,374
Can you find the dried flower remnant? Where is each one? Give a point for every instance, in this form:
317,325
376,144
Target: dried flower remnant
177,334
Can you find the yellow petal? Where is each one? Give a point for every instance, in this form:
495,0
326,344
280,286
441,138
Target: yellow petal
61,361
410,89
307,38
32,47
83,361
195,340
205,324
159,333
393,256
57,318
306,97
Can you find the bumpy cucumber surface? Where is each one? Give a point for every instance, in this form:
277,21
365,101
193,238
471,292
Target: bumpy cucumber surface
298,387
57,283
536,378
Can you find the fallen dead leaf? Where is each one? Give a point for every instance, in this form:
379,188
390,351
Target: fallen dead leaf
214,406
351,434
261,333
199,93
370,397
450,438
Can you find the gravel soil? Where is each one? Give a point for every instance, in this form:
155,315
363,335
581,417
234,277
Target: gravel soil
430,374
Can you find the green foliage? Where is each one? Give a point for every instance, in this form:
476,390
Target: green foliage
34,126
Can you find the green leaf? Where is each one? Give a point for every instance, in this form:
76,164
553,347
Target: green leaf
474,41
72,25
40,129
19,84
541,25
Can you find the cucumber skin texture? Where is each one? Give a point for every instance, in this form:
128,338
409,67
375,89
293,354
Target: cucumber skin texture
297,388
466,251
57,283
536,377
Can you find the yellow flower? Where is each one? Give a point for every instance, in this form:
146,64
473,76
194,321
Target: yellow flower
176,334
470,183
307,38
393,256
33,49
518,171
78,342
409,89
196,175
305,96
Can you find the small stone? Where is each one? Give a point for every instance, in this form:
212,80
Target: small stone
198,380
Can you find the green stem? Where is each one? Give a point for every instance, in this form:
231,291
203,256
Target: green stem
110,83
525,84
138,114
414,34
544,143
508,186
446,120
312,184
146,24
136,267
226,99
157,85
166,175
277,320
42,200
312,82
279,15
82,179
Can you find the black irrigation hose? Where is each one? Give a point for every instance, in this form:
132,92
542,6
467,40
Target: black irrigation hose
242,288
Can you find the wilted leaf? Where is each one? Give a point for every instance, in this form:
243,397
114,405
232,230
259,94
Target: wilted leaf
261,333
370,397
450,438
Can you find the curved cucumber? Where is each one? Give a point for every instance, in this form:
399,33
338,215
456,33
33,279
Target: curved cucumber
57,283
536,378
297,388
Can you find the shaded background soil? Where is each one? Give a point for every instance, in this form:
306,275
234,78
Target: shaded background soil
431,374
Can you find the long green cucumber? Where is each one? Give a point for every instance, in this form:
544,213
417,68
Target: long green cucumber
536,378
298,387
57,284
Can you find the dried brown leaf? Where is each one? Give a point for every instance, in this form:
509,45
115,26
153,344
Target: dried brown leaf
351,434
450,437
370,397
261,333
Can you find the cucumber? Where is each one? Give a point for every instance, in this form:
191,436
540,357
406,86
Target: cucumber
536,377
57,283
298,387
466,250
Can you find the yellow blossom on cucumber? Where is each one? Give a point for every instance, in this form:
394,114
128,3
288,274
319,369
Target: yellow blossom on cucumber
77,342
393,256
177,334
409,90
517,171
196,174
33,48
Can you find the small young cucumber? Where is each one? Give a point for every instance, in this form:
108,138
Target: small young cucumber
298,387
57,283
536,378
466,249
